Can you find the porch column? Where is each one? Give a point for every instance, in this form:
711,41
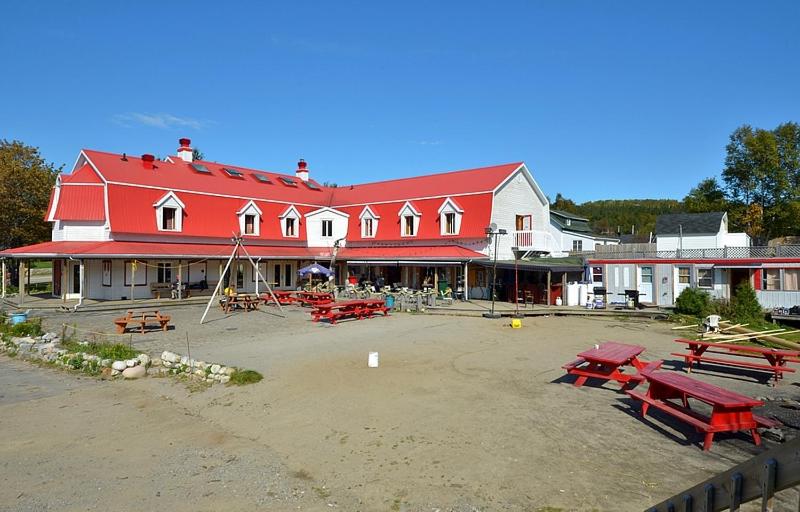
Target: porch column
82,277
180,280
255,274
21,282
549,278
3,276
466,280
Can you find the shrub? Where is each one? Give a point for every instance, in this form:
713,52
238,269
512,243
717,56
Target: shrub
243,377
745,307
694,302
115,351
31,327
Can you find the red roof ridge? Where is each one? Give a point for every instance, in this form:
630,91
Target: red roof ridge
423,176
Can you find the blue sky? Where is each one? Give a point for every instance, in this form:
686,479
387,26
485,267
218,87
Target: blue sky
600,99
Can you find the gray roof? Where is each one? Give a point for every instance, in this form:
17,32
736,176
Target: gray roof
689,223
577,224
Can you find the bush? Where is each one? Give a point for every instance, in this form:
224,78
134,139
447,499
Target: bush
693,302
745,307
31,327
115,351
242,377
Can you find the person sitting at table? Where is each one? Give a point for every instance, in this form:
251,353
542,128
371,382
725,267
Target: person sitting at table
175,288
379,282
426,283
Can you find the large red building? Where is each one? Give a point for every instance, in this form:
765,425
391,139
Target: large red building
122,223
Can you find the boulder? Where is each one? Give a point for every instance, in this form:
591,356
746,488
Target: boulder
144,359
106,363
172,357
130,363
134,372
225,379
119,365
215,368
229,371
185,361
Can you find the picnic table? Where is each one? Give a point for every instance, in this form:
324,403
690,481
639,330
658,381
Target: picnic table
314,298
142,320
245,301
776,359
284,297
358,308
730,411
606,362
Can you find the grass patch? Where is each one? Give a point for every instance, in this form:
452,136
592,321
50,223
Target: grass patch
115,351
244,377
32,327
42,264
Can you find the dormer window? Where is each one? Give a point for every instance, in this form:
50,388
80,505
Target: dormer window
369,222
169,212
409,220
450,217
327,228
250,219
568,222
289,222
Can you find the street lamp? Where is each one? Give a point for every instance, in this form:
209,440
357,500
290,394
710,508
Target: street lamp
493,231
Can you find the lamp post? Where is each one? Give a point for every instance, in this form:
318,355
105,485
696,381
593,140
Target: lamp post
494,232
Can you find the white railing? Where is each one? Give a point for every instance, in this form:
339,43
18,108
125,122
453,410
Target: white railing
758,252
534,240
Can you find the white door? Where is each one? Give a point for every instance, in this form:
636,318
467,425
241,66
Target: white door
645,279
682,280
73,280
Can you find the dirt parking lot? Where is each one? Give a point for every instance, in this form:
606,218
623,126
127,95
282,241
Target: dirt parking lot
462,414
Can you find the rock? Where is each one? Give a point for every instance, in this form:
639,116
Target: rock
229,371
114,373
134,372
106,363
185,361
775,434
172,357
201,365
119,365
49,336
106,373
155,362
130,363
200,373
215,368
166,364
144,359
224,379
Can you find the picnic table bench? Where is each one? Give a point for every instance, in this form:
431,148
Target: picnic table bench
730,411
314,298
284,297
141,320
776,359
358,308
606,362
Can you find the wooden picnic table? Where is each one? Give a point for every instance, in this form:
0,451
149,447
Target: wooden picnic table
730,411
142,319
357,308
606,362
245,301
777,359
284,297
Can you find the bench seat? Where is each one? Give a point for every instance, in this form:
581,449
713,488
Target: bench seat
734,362
574,364
694,419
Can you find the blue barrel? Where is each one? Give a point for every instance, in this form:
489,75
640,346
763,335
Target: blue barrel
390,301
18,318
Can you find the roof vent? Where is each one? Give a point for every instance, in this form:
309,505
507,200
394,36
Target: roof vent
124,157
147,161
302,170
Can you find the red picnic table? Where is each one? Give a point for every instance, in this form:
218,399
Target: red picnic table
284,297
777,359
730,411
605,362
314,298
359,308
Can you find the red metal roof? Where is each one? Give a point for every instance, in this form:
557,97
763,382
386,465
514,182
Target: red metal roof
118,249
76,202
83,175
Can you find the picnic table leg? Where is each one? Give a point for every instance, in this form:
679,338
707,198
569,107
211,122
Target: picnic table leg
709,438
756,436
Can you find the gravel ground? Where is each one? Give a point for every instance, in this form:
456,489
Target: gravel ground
463,414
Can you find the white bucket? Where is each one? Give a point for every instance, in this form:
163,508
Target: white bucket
372,361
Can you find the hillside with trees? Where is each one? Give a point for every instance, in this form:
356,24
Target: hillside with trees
759,188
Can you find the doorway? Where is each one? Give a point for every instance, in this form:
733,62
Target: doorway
646,284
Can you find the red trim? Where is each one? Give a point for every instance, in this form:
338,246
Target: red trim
732,261
757,279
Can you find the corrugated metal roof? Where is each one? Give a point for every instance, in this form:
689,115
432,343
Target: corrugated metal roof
76,202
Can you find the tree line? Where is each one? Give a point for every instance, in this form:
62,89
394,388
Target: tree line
759,188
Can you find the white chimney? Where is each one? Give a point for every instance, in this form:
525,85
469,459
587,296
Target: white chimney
185,150
302,170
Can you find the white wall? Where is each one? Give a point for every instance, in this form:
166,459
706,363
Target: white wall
80,231
564,240
735,240
517,197
313,224
673,242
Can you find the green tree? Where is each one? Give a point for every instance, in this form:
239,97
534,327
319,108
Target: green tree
745,307
707,196
762,179
564,204
26,181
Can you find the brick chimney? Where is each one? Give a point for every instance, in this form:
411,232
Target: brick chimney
302,170
185,150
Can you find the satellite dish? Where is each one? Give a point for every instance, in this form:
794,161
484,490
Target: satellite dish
493,226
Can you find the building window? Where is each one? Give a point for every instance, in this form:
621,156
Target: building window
597,274
450,223
136,273
164,273
249,224
408,225
683,275
772,279
647,275
327,228
168,218
106,272
290,230
366,231
791,279
287,275
577,245
276,275
705,277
